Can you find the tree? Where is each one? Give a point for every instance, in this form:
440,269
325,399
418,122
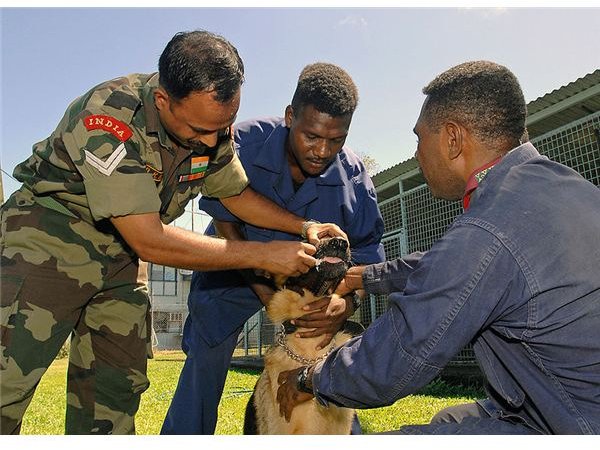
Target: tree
370,163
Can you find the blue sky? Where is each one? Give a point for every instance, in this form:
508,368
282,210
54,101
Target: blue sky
50,56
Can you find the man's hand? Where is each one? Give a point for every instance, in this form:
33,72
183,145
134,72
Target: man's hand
352,281
316,231
287,394
325,317
287,258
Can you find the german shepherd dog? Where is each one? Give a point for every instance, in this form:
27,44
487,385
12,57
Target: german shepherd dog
290,352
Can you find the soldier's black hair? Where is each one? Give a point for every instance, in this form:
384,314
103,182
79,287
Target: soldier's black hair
200,61
328,88
481,95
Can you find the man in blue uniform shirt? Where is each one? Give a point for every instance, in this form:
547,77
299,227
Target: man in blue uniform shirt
516,275
299,162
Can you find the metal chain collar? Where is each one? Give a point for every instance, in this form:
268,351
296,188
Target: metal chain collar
301,359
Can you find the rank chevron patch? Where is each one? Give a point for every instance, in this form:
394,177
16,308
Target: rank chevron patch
106,167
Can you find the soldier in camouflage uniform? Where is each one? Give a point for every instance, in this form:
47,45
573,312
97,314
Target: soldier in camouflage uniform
125,159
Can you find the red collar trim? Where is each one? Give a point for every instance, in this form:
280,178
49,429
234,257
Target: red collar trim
475,178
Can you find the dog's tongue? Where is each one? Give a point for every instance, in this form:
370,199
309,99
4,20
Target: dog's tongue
331,259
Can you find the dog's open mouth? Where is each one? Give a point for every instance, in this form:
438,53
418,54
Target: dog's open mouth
333,260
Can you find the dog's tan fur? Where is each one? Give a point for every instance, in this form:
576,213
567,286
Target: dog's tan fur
309,417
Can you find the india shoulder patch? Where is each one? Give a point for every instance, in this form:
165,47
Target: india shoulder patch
107,123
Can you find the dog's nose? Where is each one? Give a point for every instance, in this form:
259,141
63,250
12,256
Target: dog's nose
341,243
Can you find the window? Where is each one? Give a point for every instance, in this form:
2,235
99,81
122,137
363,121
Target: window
163,280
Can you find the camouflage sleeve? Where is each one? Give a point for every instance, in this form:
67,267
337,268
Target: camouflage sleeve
106,153
226,175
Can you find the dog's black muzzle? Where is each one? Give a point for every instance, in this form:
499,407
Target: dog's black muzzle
333,260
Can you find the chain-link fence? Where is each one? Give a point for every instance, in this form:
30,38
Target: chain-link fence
576,145
167,322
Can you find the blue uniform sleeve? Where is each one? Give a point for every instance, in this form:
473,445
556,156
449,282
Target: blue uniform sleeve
462,284
216,210
390,276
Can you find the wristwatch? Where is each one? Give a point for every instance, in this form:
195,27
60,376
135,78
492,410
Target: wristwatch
303,383
306,225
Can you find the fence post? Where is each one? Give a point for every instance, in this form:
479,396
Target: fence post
372,307
246,338
259,340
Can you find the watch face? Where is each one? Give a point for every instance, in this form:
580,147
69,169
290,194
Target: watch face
301,380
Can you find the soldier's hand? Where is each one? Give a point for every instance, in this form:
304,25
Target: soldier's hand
316,231
325,318
287,258
288,396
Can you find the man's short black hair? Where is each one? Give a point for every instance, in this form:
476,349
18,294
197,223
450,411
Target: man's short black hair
328,88
198,61
481,95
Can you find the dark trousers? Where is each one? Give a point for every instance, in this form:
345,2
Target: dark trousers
194,408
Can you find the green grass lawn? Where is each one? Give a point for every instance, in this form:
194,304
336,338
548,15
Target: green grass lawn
47,410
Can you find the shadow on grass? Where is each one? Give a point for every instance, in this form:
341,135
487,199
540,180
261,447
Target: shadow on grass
443,389
173,359
436,388
246,371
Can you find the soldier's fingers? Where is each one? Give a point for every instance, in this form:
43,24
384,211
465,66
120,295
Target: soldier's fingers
311,317
309,249
320,320
310,313
312,324
308,333
302,268
317,304
328,229
325,341
316,332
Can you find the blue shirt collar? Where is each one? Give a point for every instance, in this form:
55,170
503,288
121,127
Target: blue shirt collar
514,157
272,157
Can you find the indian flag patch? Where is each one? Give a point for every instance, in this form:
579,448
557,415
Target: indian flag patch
197,169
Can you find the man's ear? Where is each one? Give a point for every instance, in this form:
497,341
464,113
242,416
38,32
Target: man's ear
289,115
455,139
161,98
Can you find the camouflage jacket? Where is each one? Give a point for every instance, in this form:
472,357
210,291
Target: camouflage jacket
110,156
